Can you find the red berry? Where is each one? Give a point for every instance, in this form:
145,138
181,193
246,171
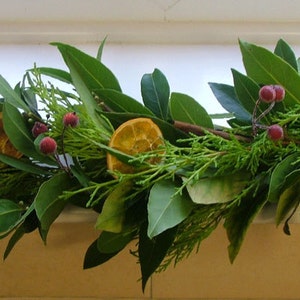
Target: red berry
267,93
275,132
48,145
38,128
280,92
71,119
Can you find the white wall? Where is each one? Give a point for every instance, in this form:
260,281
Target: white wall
192,42
188,68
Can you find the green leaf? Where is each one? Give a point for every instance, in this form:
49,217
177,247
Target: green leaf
30,223
246,90
92,72
119,102
289,198
284,51
100,49
239,219
221,116
153,251
19,134
166,208
186,109
94,257
279,176
23,165
86,97
80,174
226,96
218,189
110,242
265,67
29,97
21,220
10,213
156,92
61,75
112,215
48,204
10,96
88,75
17,235
123,157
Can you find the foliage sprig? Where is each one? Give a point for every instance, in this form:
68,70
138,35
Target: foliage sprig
200,177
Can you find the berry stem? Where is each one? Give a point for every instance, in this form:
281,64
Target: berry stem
264,113
255,120
67,167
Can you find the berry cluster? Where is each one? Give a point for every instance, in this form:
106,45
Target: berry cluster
48,145
270,94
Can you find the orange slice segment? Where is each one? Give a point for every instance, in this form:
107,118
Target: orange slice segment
132,137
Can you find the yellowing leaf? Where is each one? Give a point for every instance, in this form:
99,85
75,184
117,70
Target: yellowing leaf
216,189
113,213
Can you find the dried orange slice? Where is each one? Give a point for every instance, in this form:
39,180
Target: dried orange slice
6,146
132,137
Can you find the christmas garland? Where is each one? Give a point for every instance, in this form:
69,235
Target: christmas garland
158,173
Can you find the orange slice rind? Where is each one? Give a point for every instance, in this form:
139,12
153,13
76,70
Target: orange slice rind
135,136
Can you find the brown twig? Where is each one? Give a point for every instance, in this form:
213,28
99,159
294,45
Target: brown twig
200,131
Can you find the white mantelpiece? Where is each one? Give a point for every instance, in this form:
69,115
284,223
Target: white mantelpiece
149,21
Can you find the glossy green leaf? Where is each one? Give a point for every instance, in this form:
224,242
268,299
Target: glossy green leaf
17,235
29,224
85,94
10,212
48,204
112,216
59,74
22,218
20,136
88,75
23,165
109,242
166,209
284,50
156,92
28,96
94,257
265,67
186,109
79,174
279,176
239,219
11,96
289,198
123,157
226,96
119,102
246,90
153,251
219,189
92,72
